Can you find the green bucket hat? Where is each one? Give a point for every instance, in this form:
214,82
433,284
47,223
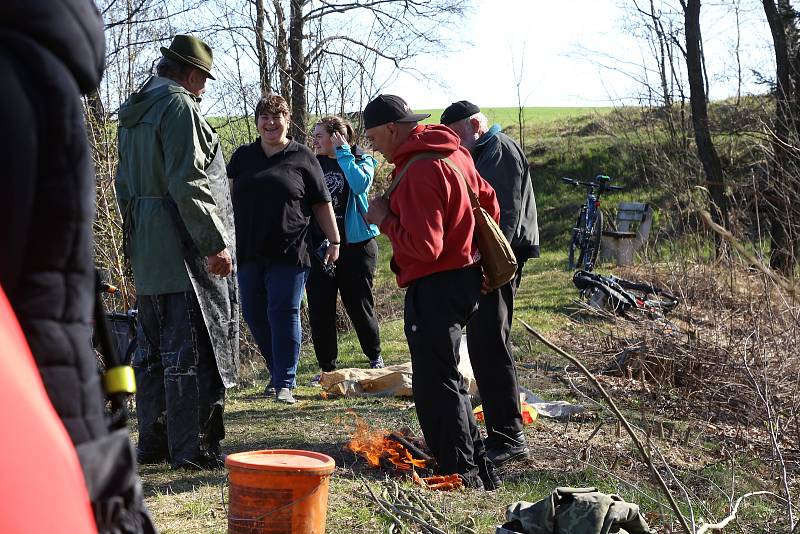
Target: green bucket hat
190,51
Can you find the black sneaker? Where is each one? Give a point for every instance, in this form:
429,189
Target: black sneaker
207,460
377,363
472,481
491,481
507,453
151,457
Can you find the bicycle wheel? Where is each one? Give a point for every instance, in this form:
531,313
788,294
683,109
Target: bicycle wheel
590,245
575,242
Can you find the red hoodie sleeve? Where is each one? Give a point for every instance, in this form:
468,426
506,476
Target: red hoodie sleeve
416,223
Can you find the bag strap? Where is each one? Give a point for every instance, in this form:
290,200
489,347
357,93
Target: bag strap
473,198
399,176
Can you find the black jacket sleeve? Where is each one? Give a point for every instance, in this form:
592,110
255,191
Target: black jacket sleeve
18,161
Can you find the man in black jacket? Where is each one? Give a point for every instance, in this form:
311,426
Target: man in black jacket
502,163
50,54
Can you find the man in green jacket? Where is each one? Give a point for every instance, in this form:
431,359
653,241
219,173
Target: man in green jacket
178,225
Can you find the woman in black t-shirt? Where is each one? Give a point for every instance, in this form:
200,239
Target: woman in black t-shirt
277,185
348,175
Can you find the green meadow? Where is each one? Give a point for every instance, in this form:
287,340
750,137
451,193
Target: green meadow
530,115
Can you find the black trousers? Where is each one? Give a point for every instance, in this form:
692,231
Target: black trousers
355,273
489,344
436,309
179,394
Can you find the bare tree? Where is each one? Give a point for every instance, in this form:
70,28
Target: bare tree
782,189
355,32
261,46
698,99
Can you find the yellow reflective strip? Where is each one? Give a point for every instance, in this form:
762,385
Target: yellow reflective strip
120,380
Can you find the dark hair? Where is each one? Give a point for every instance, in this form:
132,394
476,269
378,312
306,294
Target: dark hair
172,69
272,104
332,123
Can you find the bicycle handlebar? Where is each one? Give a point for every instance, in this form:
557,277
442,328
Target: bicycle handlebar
603,186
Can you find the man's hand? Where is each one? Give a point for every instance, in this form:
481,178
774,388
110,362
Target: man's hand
484,286
331,254
378,210
220,263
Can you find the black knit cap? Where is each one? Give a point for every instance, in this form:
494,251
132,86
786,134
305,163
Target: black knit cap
389,108
457,111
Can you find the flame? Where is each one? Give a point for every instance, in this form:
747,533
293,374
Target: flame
373,445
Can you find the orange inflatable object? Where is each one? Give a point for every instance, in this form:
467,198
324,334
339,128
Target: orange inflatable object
529,413
41,482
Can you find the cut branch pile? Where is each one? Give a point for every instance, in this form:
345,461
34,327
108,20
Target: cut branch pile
722,359
410,511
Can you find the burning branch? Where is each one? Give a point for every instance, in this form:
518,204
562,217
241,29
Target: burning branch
380,447
413,449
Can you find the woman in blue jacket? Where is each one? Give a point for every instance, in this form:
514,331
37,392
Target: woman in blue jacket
348,174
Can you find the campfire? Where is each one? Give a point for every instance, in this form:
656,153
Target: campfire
397,451
387,449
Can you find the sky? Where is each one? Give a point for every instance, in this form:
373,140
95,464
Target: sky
575,53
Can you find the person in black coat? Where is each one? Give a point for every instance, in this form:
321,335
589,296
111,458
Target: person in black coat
50,54
502,163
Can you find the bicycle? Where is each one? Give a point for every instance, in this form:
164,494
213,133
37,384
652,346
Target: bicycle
122,327
589,227
119,382
624,296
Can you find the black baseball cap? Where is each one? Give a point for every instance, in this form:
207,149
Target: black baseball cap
457,111
389,108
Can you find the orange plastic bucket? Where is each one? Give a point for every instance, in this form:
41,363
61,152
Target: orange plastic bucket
279,491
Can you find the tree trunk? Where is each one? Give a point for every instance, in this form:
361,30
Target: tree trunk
299,68
282,52
661,38
780,183
699,104
261,48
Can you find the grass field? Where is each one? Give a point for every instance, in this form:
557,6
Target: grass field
588,450
531,115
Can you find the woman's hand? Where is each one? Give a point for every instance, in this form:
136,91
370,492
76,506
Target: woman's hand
338,140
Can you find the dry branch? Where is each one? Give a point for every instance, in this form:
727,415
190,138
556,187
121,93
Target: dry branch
779,280
718,526
670,498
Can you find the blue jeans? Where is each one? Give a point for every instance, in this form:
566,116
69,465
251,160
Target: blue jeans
271,295
179,393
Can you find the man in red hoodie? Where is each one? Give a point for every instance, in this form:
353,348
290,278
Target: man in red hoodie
429,221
